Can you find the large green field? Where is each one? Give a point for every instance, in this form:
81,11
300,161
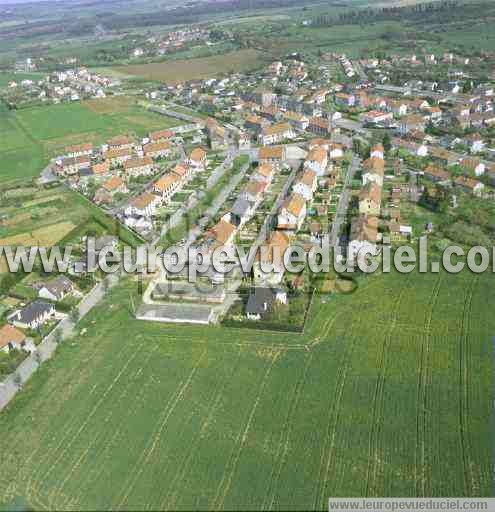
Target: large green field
29,137
387,393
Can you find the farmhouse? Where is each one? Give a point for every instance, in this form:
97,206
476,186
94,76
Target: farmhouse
11,339
33,315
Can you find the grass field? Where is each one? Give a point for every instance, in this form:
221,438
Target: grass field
29,137
174,71
387,393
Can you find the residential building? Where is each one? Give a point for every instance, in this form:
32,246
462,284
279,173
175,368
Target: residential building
11,339
469,185
116,157
167,186
370,199
306,186
57,289
317,160
277,133
33,315
269,268
144,205
292,213
198,159
139,166
363,237
155,150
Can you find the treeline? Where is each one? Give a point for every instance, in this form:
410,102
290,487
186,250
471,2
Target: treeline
410,12
194,13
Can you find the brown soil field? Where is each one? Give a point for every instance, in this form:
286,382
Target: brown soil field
182,70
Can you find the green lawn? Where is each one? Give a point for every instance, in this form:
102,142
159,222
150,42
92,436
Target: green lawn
29,137
387,393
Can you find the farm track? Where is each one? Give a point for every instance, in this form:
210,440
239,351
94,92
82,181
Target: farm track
169,409
378,400
424,379
231,467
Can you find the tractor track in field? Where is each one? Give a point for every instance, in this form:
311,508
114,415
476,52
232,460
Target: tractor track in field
169,409
284,443
231,468
170,501
378,399
464,379
422,396
331,429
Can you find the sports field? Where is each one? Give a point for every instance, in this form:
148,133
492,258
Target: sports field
387,393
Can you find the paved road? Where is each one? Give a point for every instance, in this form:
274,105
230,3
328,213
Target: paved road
218,202
263,233
46,349
217,174
342,207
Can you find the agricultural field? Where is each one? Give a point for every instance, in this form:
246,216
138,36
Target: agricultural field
387,393
29,137
32,216
174,71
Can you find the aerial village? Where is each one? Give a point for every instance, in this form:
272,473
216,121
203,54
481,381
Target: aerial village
303,152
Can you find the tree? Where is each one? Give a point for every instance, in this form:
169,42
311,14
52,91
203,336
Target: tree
75,315
58,336
17,379
387,142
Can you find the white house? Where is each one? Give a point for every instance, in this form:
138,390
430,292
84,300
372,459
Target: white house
306,185
317,160
363,237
